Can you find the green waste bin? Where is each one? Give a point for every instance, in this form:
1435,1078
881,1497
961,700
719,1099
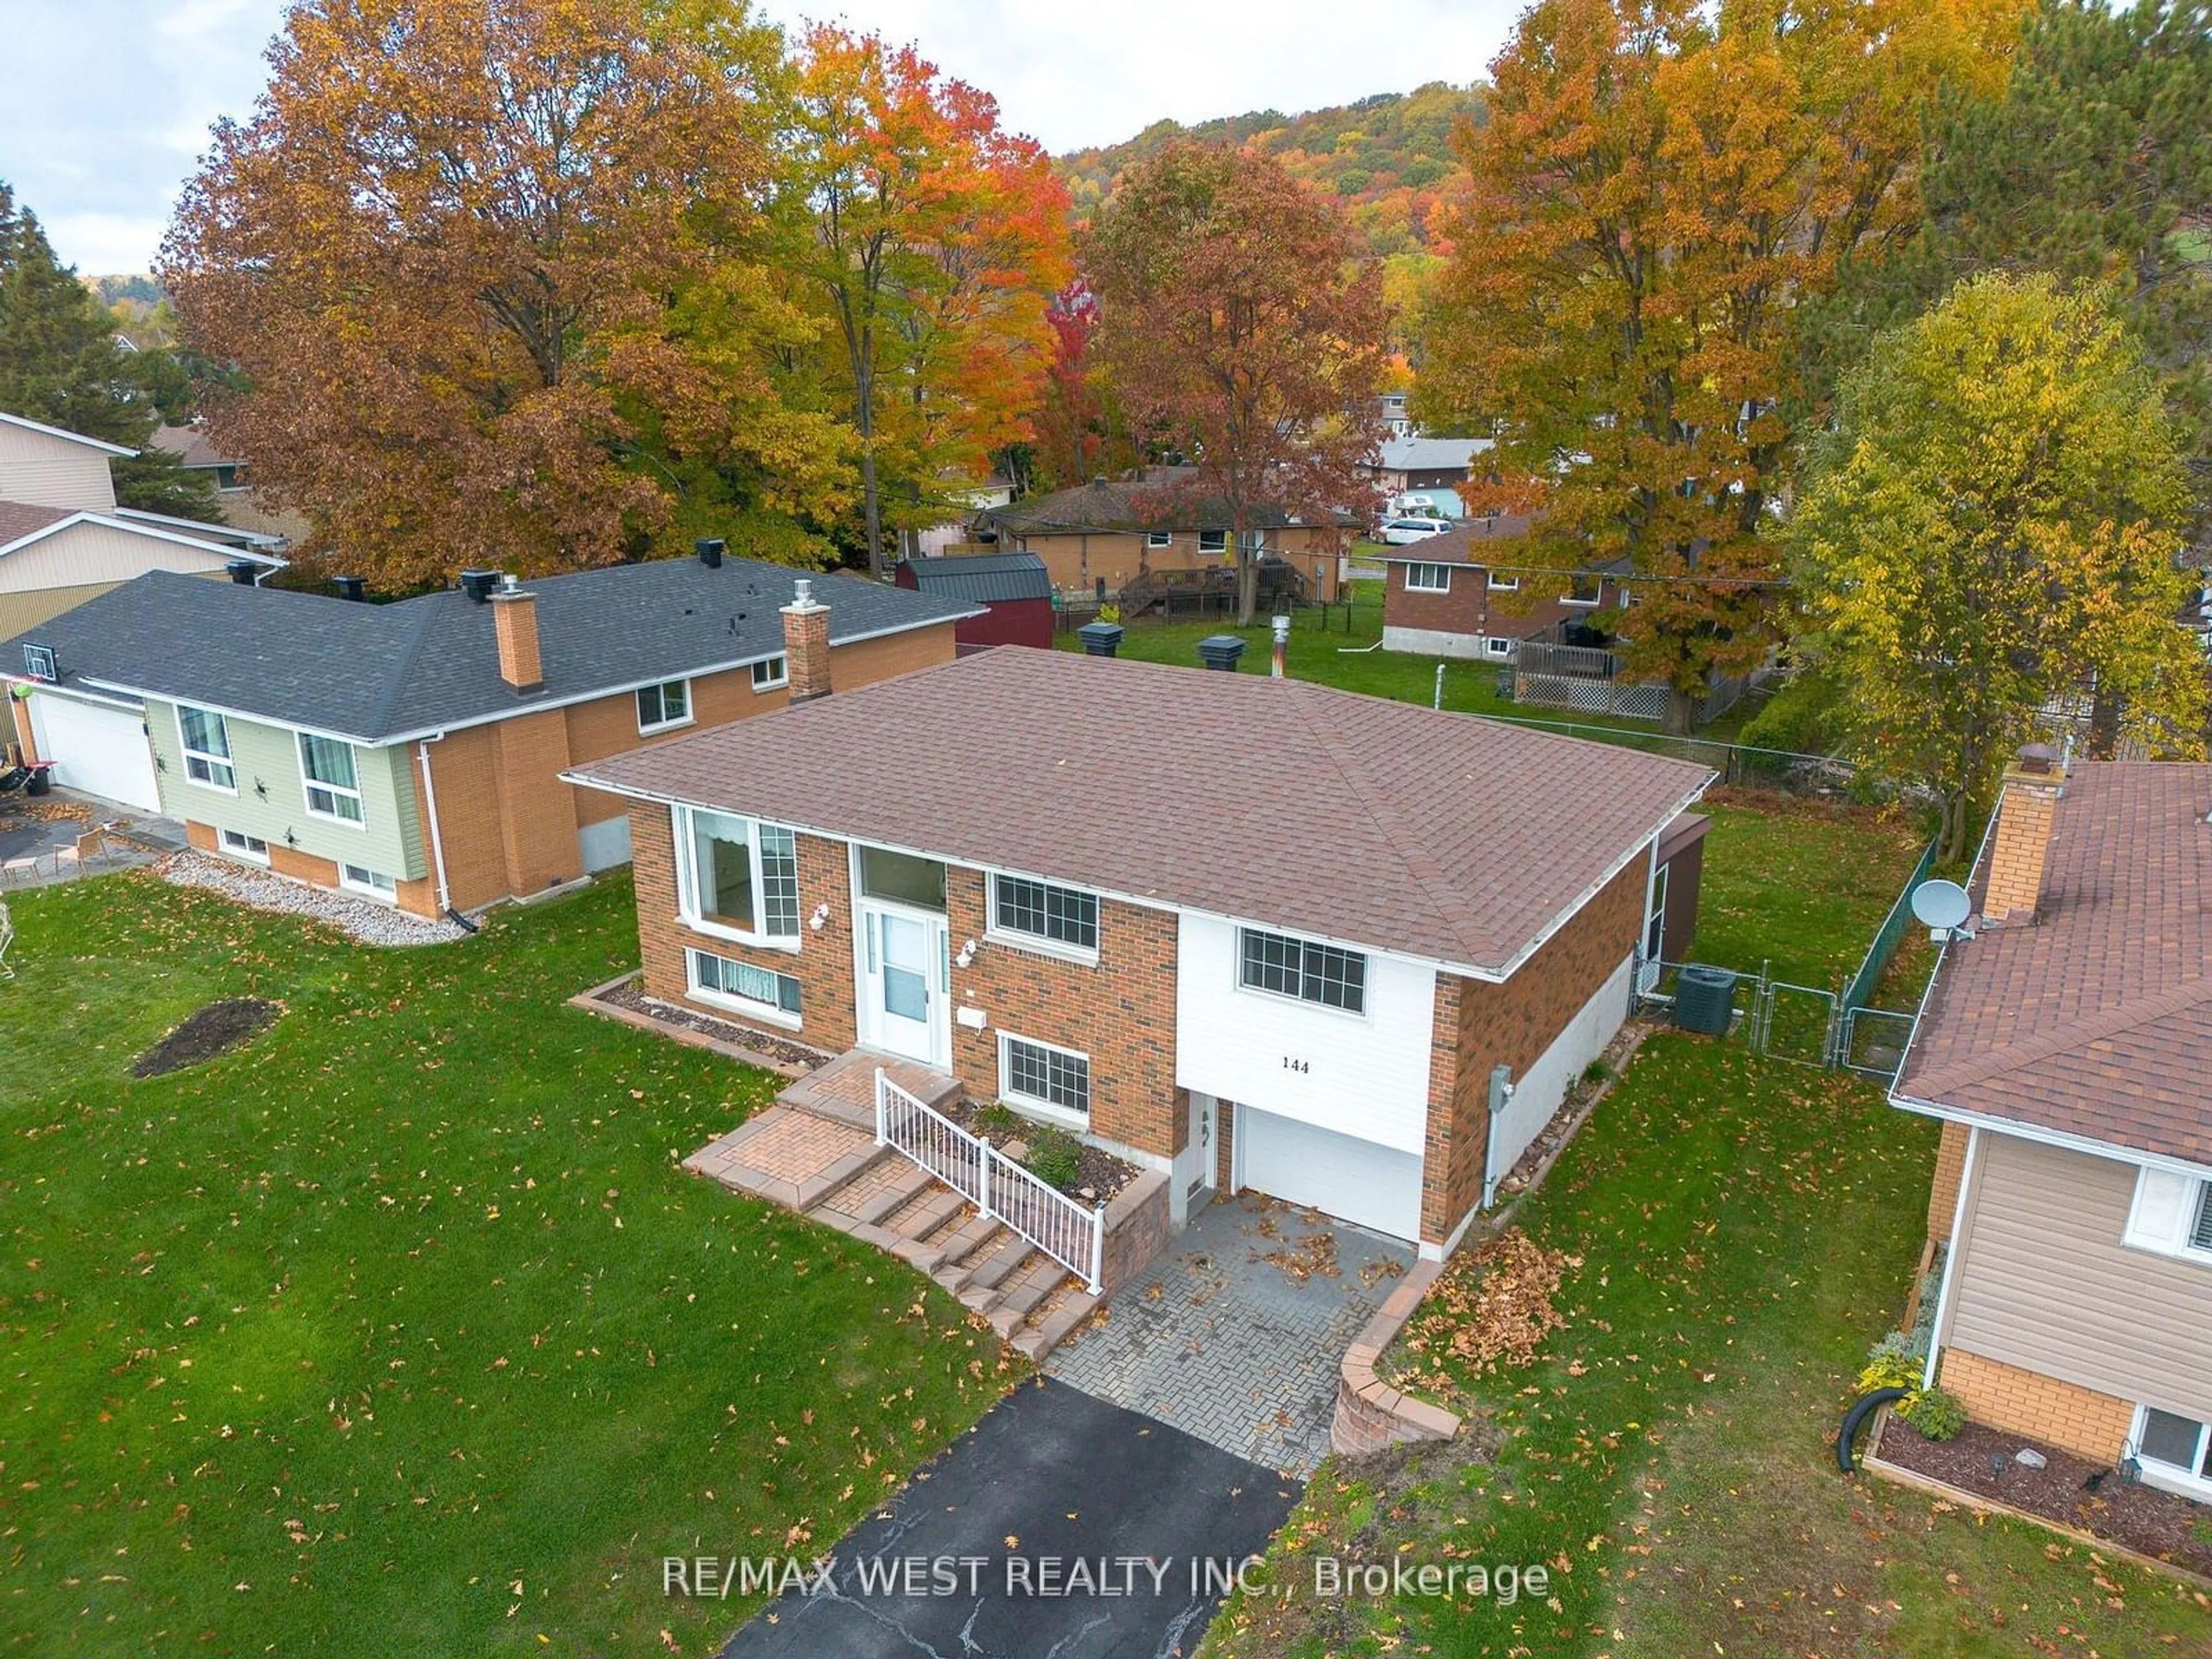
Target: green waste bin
1704,999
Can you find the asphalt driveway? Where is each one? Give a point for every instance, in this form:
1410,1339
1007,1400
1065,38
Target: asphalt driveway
1061,1524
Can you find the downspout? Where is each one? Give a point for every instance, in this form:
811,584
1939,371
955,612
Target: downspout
437,840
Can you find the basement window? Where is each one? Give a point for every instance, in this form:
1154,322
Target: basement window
1037,1075
660,708
768,675
239,844
368,883
760,993
1497,648
2175,1451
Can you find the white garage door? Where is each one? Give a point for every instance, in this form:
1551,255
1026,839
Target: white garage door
1338,1175
97,749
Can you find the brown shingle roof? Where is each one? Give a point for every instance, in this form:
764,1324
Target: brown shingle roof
1373,822
1474,541
1159,501
22,518
2096,1019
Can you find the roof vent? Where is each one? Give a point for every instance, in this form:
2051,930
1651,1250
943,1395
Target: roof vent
245,572
1220,651
710,549
349,588
478,583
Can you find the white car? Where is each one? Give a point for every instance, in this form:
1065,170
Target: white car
1403,532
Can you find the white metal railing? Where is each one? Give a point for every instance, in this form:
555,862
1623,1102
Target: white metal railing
1000,1189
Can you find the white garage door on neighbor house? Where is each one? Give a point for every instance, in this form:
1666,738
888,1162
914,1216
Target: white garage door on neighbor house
97,748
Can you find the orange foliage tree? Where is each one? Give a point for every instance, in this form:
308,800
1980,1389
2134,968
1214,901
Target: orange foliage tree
1241,336
1655,187
938,241
494,275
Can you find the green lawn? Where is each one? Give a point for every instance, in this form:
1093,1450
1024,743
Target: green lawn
400,1331
1330,647
1739,1232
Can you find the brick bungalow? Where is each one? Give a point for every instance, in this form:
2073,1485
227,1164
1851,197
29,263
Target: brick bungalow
2067,1047
1461,595
413,752
1110,531
1063,878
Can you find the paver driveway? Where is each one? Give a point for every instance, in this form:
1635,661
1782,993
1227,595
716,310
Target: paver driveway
1235,1333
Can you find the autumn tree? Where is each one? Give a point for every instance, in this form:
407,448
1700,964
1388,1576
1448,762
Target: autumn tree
1991,524
496,276
2095,164
60,365
1655,188
1240,334
937,240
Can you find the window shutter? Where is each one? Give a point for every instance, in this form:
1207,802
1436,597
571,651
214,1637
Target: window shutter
2161,1201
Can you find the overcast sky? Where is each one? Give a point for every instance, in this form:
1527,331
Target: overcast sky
110,100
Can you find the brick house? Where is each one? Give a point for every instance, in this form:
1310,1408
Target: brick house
1063,879
412,752
1461,595
2066,1044
1110,532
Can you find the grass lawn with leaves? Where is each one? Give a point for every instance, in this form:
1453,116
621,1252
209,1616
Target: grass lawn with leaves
1737,1233
398,1329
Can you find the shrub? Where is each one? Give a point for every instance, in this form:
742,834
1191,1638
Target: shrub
1937,1413
1891,1363
1596,1071
997,1119
1054,1157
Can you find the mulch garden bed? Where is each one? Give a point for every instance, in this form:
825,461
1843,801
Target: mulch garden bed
215,1029
2152,1522
1096,1170
630,995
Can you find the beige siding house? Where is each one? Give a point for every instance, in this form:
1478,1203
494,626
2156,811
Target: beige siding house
44,466
2067,1045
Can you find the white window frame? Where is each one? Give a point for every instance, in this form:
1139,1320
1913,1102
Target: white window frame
771,673
1497,646
999,930
351,877
1213,541
768,1013
1596,599
1415,585
2164,1214
309,784
1036,1106
1503,584
228,761
660,695
233,843
1159,538
687,883
2171,1476
1366,977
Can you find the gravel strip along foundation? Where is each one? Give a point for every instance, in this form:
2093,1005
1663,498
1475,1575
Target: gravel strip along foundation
370,923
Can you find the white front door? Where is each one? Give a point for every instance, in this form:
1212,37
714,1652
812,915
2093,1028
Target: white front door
903,995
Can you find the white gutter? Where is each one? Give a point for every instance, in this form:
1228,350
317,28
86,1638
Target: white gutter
430,805
1951,1259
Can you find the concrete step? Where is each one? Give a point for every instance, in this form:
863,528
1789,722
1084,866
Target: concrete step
974,1237
994,1266
1043,1336
1033,1284
925,1214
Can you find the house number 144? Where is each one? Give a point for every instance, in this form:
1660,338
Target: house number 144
1290,1064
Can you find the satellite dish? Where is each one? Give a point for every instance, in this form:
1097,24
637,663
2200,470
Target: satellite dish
1942,904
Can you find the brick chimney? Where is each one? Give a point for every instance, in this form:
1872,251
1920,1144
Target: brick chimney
806,644
514,623
2026,804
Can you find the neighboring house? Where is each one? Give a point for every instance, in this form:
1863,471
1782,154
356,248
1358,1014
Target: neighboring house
1103,536
1014,590
940,538
63,541
242,505
2067,1047
413,752
1397,420
1459,594
1257,933
1405,463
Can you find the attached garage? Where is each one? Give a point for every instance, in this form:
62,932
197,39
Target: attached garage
97,748
1339,1174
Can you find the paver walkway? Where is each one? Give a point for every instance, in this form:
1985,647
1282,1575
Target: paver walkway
1235,1333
